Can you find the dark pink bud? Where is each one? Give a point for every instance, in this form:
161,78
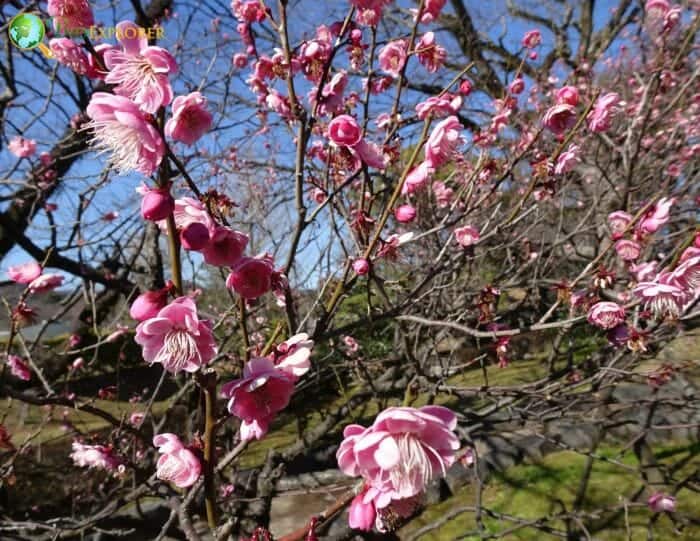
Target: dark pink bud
194,236
157,204
251,278
148,304
405,213
465,87
225,247
361,266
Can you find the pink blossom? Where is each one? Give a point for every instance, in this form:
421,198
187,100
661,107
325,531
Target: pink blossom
344,130
24,273
225,247
249,11
251,277
567,95
94,456
390,246
77,363
262,392
644,272
45,282
314,54
687,273
672,18
656,8
360,266
405,213
293,355
439,106
657,216
190,120
443,141
118,333
418,178
194,236
664,296
567,160
140,71
19,368
361,515
148,304
351,344
430,54
157,203
606,315
560,118
21,147
240,60
661,503
532,39
369,12
177,338
467,235
392,57
331,98
628,250
371,154
279,104
95,70
516,86
403,450
123,130
618,222
443,194
465,87
176,463
431,10
188,211
70,54
70,15
600,118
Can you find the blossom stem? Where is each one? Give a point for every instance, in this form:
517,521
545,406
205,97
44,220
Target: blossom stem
208,383
244,329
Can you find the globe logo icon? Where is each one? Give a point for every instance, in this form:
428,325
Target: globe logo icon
26,31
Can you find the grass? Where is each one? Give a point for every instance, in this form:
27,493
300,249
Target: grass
533,491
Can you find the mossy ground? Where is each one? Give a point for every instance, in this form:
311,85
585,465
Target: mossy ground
534,491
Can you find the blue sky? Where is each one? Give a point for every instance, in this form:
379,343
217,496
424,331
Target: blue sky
202,68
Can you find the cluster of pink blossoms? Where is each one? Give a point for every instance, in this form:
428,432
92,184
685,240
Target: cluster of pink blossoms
403,450
665,293
31,275
267,385
440,147
95,456
122,123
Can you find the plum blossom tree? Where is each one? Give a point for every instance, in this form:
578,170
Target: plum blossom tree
366,240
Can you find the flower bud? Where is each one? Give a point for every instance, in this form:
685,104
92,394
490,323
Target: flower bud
157,204
361,266
405,213
194,236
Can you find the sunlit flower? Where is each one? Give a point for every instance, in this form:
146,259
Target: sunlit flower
176,464
140,71
121,129
177,338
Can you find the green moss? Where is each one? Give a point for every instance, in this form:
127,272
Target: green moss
534,491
